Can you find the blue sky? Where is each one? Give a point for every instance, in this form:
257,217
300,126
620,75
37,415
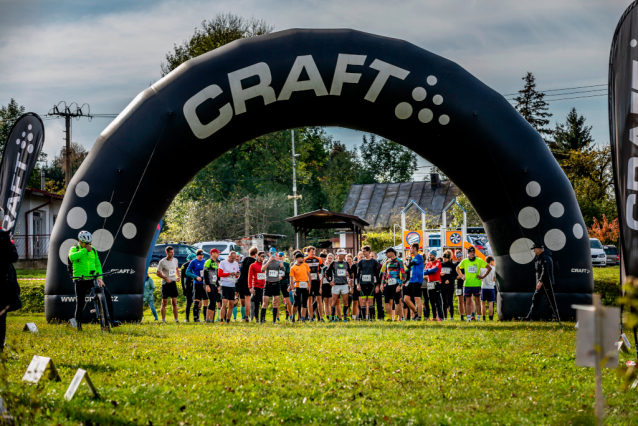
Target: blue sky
105,52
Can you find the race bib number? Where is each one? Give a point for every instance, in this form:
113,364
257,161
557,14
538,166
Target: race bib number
281,274
273,274
171,272
325,281
313,277
430,286
303,284
392,281
445,271
459,292
201,273
366,278
261,276
472,270
341,272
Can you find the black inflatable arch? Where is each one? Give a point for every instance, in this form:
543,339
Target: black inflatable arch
344,78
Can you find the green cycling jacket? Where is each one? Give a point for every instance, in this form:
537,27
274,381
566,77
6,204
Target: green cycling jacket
84,262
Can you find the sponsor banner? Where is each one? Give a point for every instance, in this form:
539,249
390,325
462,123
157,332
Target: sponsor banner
18,161
411,237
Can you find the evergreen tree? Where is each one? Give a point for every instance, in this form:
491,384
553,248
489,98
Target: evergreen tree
531,104
573,134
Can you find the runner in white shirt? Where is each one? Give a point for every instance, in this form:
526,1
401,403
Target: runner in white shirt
488,291
228,274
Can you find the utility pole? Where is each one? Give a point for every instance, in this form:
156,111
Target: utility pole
67,113
246,215
294,196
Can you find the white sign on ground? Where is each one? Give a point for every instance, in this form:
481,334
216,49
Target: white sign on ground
30,326
586,340
75,383
73,323
39,365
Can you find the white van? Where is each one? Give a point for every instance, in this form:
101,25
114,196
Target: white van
225,247
598,256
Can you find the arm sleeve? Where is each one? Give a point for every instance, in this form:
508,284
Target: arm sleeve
251,272
222,273
189,271
430,271
79,254
98,264
206,266
544,276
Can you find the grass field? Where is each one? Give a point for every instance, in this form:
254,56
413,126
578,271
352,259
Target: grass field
450,373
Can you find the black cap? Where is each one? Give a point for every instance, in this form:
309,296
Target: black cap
471,249
538,245
298,255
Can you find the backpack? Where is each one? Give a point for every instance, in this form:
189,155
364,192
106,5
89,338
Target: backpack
69,264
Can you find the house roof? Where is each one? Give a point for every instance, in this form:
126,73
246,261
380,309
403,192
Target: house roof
325,219
381,203
45,193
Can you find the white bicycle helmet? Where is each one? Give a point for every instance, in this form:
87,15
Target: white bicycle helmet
85,237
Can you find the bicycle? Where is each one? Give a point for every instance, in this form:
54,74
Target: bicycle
99,299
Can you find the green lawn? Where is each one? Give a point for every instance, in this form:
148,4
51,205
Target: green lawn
451,373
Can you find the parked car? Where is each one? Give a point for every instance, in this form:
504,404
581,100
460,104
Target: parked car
613,257
181,252
225,247
598,256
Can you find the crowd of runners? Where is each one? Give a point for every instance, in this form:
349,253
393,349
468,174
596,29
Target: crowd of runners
326,287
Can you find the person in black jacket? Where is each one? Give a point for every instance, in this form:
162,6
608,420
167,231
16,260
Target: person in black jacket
187,286
9,288
448,283
544,267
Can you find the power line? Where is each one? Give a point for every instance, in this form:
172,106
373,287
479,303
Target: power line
572,93
559,90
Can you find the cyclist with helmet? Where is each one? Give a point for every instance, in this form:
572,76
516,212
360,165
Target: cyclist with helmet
84,260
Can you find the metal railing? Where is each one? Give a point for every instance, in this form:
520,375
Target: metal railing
32,246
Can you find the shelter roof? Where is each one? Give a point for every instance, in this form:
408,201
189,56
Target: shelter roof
325,219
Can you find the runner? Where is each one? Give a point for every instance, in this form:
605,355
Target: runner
187,286
284,283
448,278
228,272
274,269
459,284
472,266
212,285
167,270
315,284
488,293
242,285
340,280
378,297
353,297
368,278
433,272
326,288
272,290
196,272
299,282
256,284
392,277
413,289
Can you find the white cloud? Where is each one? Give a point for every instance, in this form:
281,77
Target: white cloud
106,59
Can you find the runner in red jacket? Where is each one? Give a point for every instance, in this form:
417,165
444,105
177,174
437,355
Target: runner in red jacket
256,284
433,272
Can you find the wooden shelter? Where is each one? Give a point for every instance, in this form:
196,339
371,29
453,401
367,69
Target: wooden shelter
325,219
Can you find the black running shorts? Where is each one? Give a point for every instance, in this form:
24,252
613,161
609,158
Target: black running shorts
390,293
169,290
242,289
272,289
228,293
199,292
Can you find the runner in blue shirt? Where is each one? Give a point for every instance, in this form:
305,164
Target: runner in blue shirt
196,272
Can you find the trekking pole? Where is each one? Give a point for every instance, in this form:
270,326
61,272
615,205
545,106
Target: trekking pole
552,305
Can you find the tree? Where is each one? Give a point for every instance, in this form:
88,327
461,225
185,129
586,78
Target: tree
532,106
590,174
607,232
221,30
572,135
385,161
456,212
8,115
